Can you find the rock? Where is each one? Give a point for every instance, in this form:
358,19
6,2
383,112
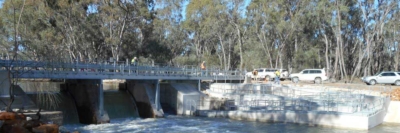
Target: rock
47,128
11,116
29,125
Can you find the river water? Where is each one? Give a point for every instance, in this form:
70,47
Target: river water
182,124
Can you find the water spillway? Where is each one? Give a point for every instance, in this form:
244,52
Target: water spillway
119,104
50,97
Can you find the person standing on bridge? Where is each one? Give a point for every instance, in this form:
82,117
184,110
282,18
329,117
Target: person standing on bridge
277,75
203,67
134,61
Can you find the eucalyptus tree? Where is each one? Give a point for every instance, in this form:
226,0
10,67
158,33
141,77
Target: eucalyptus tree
258,26
197,13
201,19
168,32
375,16
126,24
4,45
393,28
277,23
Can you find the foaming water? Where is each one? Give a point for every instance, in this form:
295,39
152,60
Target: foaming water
181,124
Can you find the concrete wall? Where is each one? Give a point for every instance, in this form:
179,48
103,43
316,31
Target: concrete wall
4,83
389,112
86,96
188,98
21,100
180,98
393,112
144,93
310,118
168,98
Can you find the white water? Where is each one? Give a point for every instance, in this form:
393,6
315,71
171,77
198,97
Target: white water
181,124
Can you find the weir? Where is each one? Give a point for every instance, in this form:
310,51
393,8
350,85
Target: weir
80,100
83,84
322,106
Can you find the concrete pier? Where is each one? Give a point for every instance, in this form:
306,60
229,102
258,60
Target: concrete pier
88,98
146,95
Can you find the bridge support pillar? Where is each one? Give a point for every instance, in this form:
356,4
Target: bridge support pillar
199,85
101,99
147,97
89,100
157,101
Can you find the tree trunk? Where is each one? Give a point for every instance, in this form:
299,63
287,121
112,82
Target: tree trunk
326,55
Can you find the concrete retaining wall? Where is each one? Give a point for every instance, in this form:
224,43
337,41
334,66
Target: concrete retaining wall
389,112
188,98
168,98
86,96
144,93
393,112
141,98
4,83
310,118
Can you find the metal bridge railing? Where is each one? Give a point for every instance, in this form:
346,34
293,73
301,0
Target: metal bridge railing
18,66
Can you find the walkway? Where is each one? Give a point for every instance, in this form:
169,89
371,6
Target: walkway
62,70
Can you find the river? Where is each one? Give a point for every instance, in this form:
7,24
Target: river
182,124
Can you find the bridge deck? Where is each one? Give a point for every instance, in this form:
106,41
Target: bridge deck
61,70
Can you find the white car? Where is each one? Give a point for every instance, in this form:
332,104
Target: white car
383,78
316,75
268,73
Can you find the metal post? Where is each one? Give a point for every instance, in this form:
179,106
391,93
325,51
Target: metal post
199,85
157,102
101,98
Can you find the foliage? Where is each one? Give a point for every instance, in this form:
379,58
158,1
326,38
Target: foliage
350,37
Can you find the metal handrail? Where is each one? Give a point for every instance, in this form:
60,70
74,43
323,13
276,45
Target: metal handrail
19,66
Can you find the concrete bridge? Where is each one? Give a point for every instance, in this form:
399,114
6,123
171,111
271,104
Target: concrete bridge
84,81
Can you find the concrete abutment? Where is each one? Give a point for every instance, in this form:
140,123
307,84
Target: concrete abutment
88,97
146,95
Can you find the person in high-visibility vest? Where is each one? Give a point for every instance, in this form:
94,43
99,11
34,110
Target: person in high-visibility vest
277,74
203,67
134,61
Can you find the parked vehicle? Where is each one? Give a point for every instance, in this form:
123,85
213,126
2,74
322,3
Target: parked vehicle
268,73
383,78
316,75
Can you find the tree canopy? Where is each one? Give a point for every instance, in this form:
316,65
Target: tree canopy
350,38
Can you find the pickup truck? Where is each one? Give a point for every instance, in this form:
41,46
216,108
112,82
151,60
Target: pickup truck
268,74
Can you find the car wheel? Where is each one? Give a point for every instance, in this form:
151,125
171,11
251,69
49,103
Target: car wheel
372,82
295,79
317,81
397,82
